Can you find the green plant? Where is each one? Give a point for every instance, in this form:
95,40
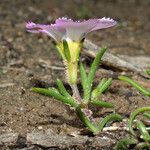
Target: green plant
90,96
135,85
141,138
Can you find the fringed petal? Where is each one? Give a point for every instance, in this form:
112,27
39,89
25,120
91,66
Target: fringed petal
68,29
52,30
104,23
63,20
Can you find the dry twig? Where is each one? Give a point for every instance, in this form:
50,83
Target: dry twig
111,60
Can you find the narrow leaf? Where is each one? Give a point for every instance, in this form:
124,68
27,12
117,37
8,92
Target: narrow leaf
134,114
95,65
66,50
83,76
144,132
147,115
52,93
62,89
92,72
108,118
135,85
94,93
102,87
105,86
101,83
102,103
56,90
124,143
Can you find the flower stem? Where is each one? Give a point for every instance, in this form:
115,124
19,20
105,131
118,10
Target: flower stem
76,93
71,71
85,120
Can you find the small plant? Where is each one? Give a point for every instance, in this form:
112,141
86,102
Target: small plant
69,37
135,85
141,138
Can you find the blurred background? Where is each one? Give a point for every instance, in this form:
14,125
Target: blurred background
133,16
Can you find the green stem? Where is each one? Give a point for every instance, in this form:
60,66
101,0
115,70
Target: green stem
83,77
91,126
135,85
71,72
76,93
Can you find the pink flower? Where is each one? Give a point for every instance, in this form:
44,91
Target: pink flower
69,30
73,32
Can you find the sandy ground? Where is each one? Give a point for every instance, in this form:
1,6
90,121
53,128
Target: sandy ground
23,112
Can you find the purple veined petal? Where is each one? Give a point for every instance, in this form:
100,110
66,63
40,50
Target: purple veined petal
76,31
68,29
57,33
104,23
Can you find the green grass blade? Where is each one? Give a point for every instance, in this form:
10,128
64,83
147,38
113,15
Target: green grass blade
52,93
92,72
124,143
108,118
106,85
95,65
143,131
101,83
102,87
95,91
102,103
56,90
135,85
62,89
134,114
147,115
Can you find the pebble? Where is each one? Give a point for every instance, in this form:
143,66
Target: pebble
40,127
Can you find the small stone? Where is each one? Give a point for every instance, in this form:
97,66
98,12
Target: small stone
40,127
